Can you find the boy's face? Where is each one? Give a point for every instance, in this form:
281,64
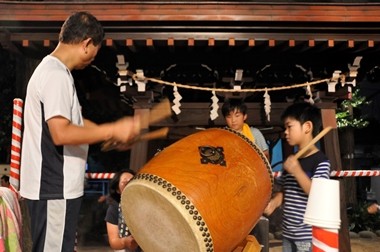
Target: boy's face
235,120
294,131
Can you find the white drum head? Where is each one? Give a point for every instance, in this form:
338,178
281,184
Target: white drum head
161,218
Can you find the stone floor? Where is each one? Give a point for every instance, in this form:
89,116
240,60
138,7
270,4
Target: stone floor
92,232
365,245
357,245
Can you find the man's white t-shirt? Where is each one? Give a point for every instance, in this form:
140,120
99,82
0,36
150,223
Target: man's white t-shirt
48,171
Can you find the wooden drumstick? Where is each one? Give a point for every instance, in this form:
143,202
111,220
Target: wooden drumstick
157,113
312,142
160,133
160,112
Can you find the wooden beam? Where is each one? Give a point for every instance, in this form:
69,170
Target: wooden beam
130,44
173,10
170,42
251,42
190,42
46,43
351,43
109,42
139,151
198,114
149,42
231,42
25,43
371,43
332,151
330,43
211,42
325,15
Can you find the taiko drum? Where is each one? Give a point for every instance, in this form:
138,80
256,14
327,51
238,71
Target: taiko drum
203,193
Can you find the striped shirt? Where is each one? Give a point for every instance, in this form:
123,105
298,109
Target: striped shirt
259,139
295,199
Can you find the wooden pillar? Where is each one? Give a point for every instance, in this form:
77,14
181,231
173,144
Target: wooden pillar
139,151
332,150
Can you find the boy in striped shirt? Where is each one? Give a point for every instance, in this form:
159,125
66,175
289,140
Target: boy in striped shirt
302,122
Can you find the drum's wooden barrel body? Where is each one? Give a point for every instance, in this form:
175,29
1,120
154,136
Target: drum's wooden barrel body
203,193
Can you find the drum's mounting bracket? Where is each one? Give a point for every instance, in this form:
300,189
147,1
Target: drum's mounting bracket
213,155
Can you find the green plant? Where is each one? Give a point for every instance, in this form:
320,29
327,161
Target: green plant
348,114
360,220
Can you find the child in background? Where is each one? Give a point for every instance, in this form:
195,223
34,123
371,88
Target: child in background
119,237
235,114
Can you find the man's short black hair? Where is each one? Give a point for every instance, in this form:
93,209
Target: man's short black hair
81,26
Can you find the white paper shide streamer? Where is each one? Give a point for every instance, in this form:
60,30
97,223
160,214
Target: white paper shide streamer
267,104
140,80
310,94
214,107
176,101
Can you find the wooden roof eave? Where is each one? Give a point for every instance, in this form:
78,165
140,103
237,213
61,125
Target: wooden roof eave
197,20
191,11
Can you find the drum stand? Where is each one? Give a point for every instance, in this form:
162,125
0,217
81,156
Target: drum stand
250,244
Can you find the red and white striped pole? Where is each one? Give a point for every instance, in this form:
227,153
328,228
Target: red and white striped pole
325,240
16,144
344,173
103,175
